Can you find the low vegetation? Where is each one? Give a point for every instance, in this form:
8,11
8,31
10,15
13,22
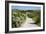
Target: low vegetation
19,16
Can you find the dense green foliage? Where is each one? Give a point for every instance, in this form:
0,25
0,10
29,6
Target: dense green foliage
19,16
35,15
17,19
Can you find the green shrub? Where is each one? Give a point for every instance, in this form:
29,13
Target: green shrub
18,19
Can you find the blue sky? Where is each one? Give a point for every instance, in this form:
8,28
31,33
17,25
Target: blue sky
26,7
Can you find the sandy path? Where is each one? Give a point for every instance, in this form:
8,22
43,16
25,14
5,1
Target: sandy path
29,23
